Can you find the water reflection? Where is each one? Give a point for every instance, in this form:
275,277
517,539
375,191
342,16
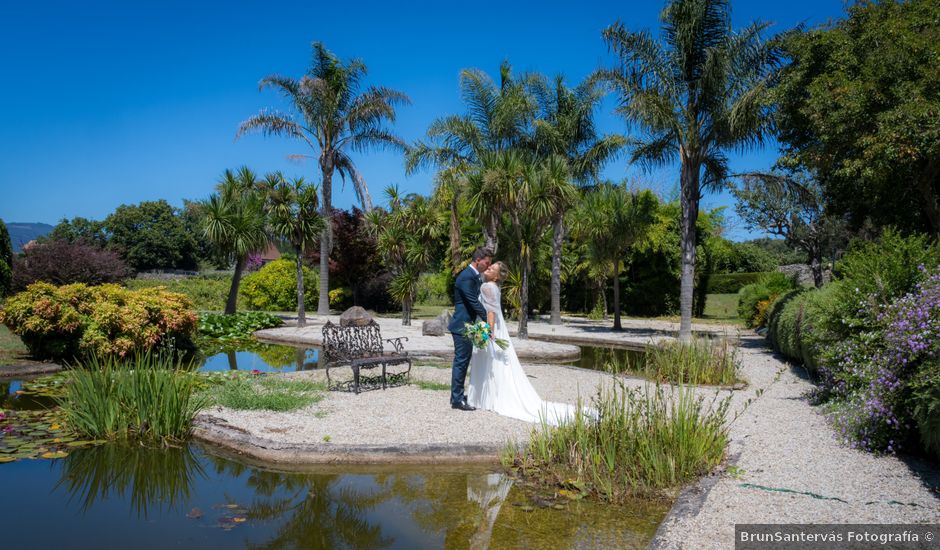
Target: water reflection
259,356
188,497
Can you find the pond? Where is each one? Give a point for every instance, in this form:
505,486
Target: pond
262,357
195,497
599,358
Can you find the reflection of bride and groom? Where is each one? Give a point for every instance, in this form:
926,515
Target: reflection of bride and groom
497,381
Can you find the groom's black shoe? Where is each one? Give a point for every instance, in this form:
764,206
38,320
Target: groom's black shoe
462,406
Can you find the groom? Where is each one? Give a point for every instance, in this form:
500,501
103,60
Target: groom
467,309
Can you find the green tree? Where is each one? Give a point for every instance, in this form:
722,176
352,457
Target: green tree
610,219
79,229
292,215
697,92
6,260
235,222
499,119
333,117
151,235
790,206
858,107
565,127
404,234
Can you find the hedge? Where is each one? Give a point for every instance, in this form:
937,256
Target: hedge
730,283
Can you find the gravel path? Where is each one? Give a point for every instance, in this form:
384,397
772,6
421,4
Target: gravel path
782,442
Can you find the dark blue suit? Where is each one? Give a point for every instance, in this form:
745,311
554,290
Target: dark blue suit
467,309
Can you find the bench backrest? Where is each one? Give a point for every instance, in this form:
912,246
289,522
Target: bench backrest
351,342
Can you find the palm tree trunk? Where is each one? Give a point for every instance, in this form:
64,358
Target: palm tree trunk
326,237
301,309
524,301
406,312
617,325
232,301
489,234
558,238
689,197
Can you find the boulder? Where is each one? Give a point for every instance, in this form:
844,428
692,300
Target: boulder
436,326
355,317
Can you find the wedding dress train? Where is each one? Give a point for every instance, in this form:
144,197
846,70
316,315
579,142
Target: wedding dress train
497,381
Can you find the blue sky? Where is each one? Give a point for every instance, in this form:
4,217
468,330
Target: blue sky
107,103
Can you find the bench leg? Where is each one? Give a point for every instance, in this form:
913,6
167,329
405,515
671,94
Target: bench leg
384,379
356,379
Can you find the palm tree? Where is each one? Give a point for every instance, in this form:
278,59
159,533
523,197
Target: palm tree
333,118
403,237
292,212
610,219
566,127
697,92
498,119
234,222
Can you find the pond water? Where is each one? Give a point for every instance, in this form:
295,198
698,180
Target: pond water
599,358
263,357
194,497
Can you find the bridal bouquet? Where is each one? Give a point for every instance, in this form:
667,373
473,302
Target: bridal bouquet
479,334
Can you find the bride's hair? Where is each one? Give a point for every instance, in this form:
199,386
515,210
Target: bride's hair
503,272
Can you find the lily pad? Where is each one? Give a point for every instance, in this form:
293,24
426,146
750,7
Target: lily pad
55,454
4,459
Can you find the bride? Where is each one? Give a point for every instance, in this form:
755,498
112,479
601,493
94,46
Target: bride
497,381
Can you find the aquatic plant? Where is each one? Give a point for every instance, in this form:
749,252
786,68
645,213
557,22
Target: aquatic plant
147,397
642,441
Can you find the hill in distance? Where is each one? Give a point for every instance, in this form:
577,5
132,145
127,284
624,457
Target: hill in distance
22,233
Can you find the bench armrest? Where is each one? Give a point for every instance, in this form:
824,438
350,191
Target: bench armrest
396,343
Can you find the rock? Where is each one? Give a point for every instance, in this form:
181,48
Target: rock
355,317
436,326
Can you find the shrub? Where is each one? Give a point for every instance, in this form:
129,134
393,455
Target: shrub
341,298
145,397
373,293
701,361
754,299
643,440
432,288
238,326
62,263
274,287
77,320
728,283
207,293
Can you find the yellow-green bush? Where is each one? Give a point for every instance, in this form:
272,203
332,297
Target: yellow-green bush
77,320
208,293
274,287
341,298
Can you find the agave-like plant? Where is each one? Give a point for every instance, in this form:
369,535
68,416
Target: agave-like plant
333,117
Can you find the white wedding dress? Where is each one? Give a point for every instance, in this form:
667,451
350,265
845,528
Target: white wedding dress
497,381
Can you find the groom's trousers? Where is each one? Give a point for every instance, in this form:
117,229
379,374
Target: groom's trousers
463,350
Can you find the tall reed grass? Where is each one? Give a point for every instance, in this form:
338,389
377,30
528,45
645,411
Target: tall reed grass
147,397
701,361
641,442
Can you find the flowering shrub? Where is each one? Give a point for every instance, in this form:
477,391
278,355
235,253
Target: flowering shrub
274,287
883,375
755,299
77,320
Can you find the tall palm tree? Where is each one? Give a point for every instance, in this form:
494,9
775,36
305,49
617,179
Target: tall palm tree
234,222
697,92
565,127
610,219
333,117
499,118
292,216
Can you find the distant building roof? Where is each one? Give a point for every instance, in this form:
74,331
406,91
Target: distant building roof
270,253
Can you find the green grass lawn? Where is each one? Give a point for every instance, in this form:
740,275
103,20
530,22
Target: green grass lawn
722,307
12,350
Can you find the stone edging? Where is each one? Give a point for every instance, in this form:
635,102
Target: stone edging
689,502
28,369
218,432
